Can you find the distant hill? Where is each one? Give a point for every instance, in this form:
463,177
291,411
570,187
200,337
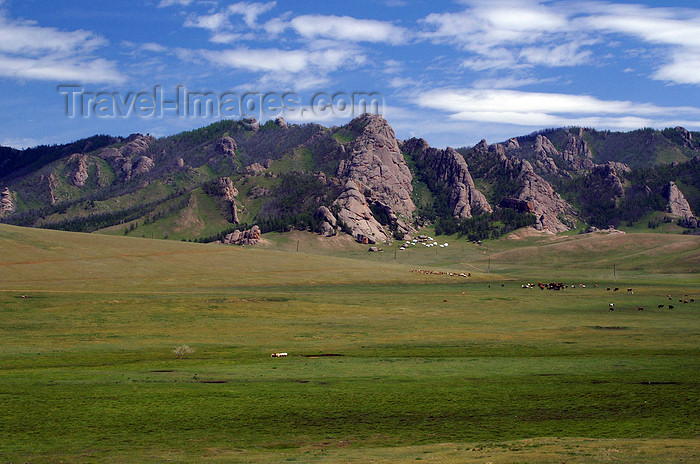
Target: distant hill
358,179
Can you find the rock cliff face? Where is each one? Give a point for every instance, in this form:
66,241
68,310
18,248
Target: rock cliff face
375,161
355,212
677,204
549,207
6,204
450,169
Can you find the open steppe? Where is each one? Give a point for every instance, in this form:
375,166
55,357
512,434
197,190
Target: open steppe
384,364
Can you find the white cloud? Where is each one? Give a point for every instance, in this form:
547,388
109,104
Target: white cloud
272,59
684,67
348,28
502,34
212,22
544,109
677,28
29,51
88,71
166,3
251,11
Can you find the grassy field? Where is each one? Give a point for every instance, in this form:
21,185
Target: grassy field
384,365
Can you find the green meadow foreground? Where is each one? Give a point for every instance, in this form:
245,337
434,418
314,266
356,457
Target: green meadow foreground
384,365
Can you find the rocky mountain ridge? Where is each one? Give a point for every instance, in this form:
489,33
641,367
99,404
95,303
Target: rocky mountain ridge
357,179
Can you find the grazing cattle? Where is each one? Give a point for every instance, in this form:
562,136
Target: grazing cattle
278,355
629,289
692,300
444,301
660,306
671,306
612,307
640,308
615,289
670,298
608,289
685,301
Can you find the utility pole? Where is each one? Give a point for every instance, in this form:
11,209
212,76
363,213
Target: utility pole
614,273
297,246
394,254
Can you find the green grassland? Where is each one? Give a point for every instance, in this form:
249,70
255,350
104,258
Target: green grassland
384,365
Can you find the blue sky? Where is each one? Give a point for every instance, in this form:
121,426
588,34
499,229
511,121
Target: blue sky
450,72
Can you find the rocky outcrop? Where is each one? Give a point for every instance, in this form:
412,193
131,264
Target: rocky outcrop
677,204
130,159
685,135
324,214
255,168
49,185
549,207
605,177
354,211
143,165
137,144
280,122
544,154
375,162
534,191
226,146
223,188
250,236
576,153
328,221
7,206
250,124
449,168
80,169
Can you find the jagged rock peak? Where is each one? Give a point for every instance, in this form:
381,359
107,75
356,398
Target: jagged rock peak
686,135
6,204
137,144
677,203
250,124
576,152
544,145
376,162
452,170
281,123
512,144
